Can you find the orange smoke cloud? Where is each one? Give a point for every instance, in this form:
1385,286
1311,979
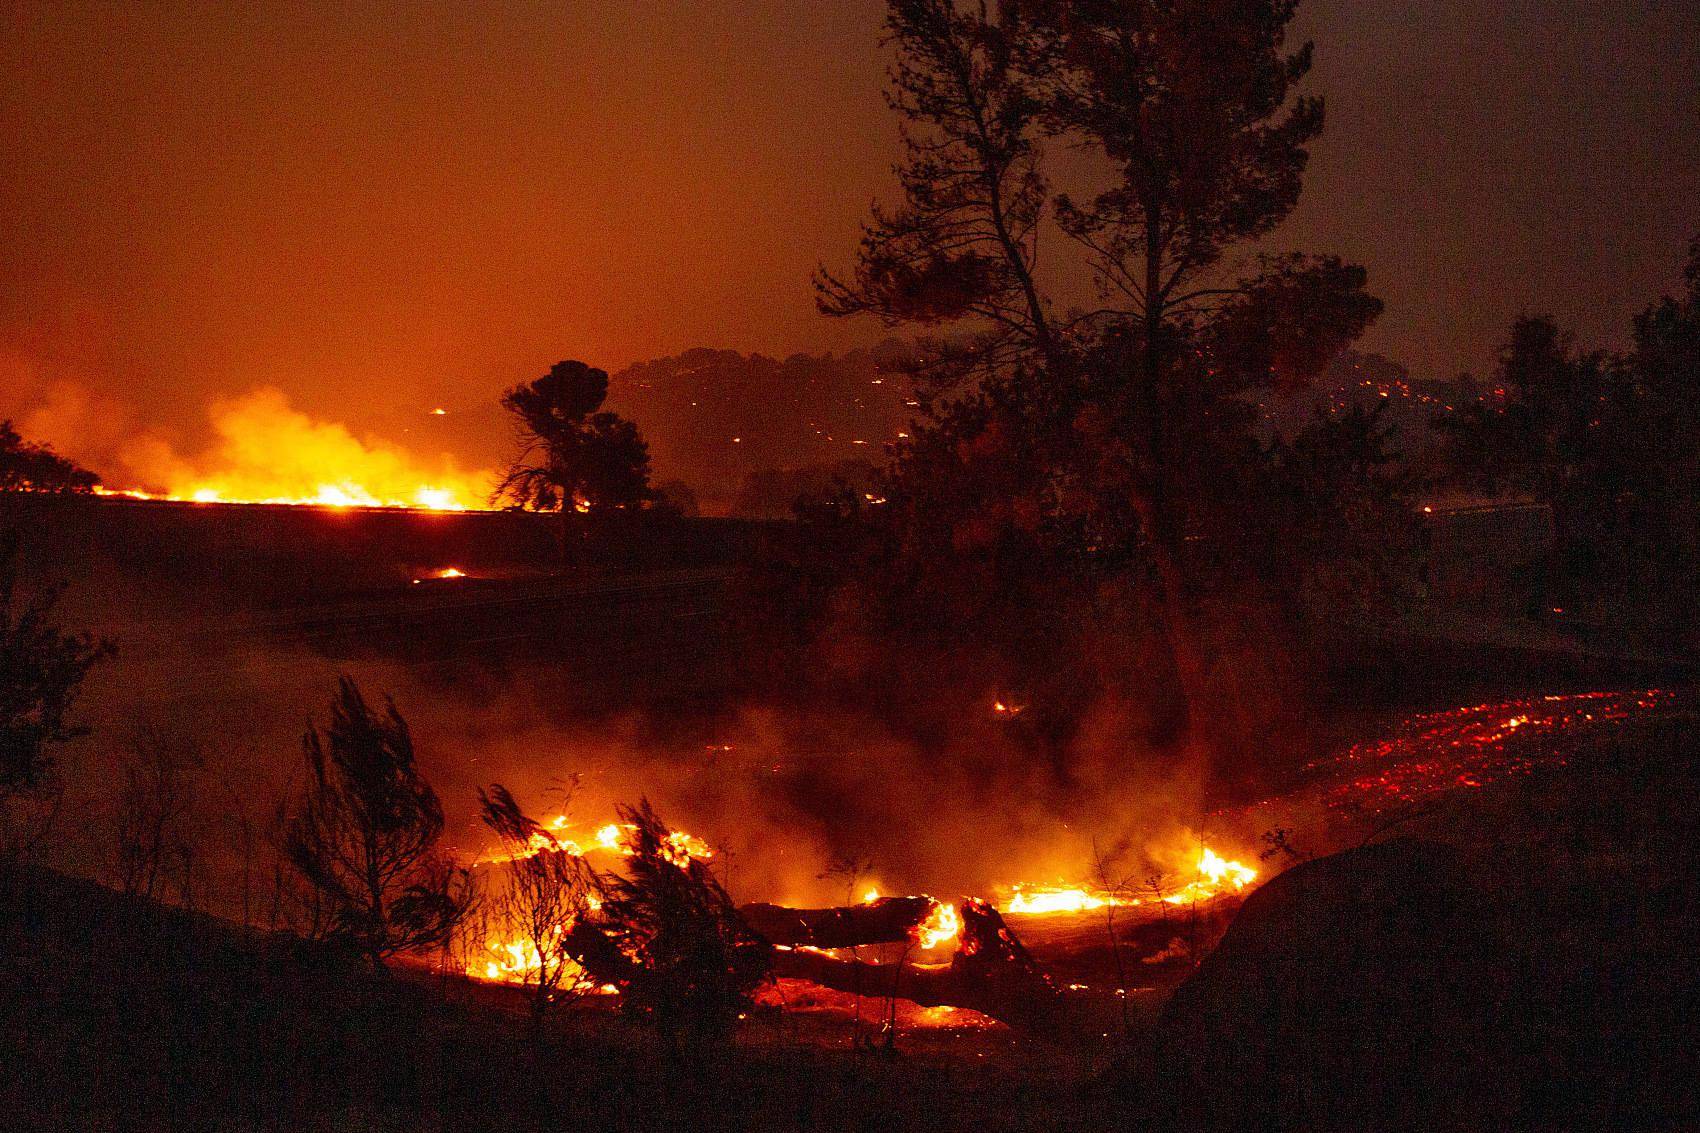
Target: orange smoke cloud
267,451
263,451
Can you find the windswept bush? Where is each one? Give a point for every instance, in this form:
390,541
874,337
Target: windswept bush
364,834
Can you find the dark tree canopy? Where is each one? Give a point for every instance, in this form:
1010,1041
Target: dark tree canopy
964,241
41,671
570,455
678,497
1611,442
1109,447
26,467
364,833
1193,105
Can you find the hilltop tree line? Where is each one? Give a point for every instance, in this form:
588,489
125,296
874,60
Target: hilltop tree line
1611,442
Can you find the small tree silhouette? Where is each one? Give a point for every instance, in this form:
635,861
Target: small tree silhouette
572,457
154,813
364,834
541,894
670,939
41,670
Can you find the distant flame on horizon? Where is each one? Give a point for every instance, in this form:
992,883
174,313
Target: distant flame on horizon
266,451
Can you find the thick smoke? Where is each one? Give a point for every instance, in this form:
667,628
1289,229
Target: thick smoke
782,795
259,448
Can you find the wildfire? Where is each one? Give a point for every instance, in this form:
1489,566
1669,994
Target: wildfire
516,959
680,848
445,573
268,452
336,496
518,962
1038,900
1215,876
942,927
1212,868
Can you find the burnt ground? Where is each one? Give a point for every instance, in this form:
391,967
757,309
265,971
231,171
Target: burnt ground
115,1014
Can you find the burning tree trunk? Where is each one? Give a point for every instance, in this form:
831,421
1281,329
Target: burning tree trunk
991,973
888,920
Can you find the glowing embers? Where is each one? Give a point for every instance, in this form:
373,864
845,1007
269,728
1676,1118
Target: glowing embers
798,996
1474,746
446,574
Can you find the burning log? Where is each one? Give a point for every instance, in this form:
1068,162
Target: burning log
1152,942
991,973
887,920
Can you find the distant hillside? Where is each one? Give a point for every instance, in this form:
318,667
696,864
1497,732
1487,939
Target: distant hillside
715,417
1369,380
741,429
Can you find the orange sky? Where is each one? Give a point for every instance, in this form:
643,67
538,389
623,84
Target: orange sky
381,207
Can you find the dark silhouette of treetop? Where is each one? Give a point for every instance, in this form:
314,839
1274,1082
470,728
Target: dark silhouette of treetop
1193,104
964,240
1610,442
572,459
1125,433
670,938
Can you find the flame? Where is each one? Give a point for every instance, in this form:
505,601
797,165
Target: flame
515,959
268,452
1036,900
1213,868
942,926
518,961
679,848
1215,876
870,896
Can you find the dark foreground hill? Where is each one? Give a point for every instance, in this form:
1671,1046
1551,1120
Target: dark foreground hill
117,1014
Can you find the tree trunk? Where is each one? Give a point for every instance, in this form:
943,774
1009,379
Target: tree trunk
991,973
564,531
889,920
1162,516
